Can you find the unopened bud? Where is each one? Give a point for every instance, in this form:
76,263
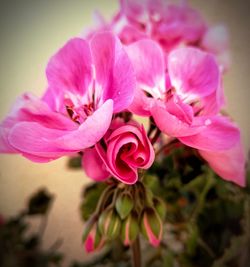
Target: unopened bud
92,238
151,226
130,229
109,224
160,207
124,204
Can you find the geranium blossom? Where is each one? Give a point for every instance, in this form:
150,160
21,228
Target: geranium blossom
168,23
87,83
180,102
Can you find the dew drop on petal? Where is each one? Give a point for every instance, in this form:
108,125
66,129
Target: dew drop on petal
208,122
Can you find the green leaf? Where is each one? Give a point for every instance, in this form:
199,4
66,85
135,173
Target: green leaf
90,199
39,203
75,162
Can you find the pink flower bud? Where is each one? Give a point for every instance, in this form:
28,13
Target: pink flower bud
130,229
126,148
92,238
151,226
109,224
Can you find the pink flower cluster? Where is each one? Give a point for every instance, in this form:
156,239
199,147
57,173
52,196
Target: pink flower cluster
154,59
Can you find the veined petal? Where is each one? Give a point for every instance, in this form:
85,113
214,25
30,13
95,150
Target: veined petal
53,143
114,71
148,60
5,146
94,166
193,73
36,110
69,70
229,164
171,125
29,108
213,103
141,104
219,134
90,131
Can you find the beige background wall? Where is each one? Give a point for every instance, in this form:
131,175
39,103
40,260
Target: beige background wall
31,31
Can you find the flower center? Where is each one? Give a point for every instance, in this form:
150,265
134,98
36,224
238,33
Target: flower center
80,113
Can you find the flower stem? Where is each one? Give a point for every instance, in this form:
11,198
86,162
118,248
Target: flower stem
156,136
136,253
170,145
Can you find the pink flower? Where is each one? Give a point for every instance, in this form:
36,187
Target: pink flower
229,164
193,79
216,41
185,102
124,150
169,24
87,83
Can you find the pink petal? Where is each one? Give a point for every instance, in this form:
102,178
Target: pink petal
127,33
216,39
193,73
94,166
54,143
229,164
219,134
193,24
180,24
119,169
89,244
69,70
53,100
37,159
38,141
5,146
148,60
99,20
214,102
36,110
89,132
29,108
133,9
173,125
141,104
114,71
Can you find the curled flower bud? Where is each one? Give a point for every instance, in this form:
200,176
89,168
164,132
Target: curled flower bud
130,229
109,224
92,238
124,204
125,149
151,226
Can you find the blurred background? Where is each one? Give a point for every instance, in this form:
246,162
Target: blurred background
31,31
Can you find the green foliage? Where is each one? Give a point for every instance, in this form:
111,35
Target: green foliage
90,197
39,203
206,219
19,248
75,162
